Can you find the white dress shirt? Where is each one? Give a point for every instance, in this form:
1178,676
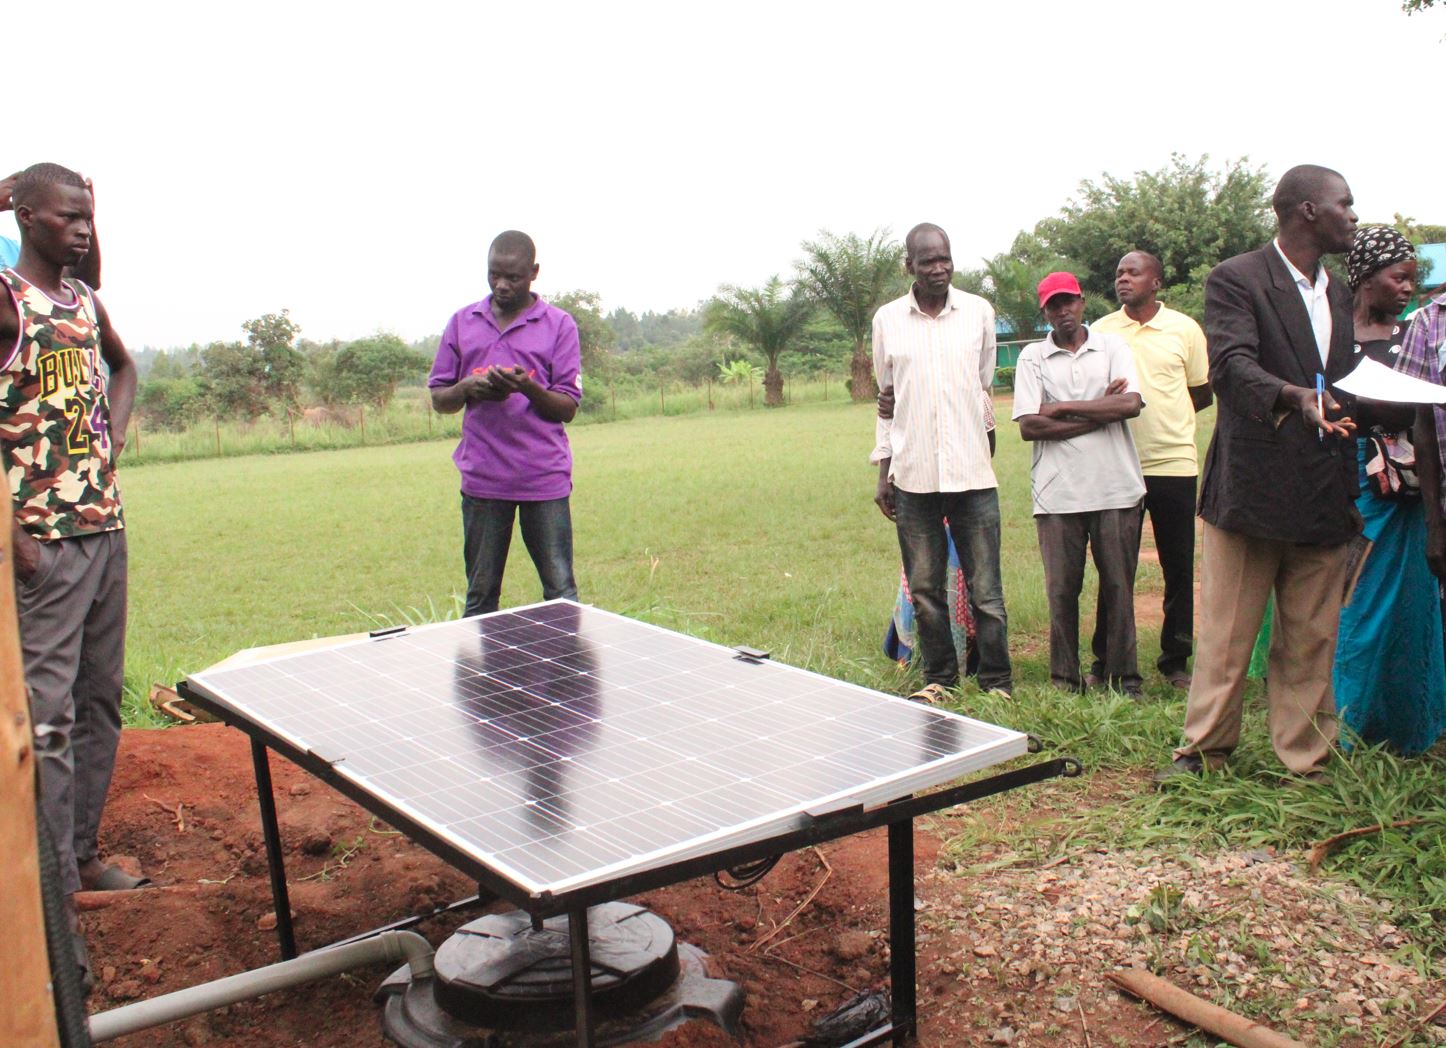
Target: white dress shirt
1317,302
941,369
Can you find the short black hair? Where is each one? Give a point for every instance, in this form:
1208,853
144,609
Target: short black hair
1304,182
912,239
1153,262
36,178
512,242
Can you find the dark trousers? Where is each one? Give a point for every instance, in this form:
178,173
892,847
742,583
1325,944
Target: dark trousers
487,534
72,633
1113,538
1170,502
974,522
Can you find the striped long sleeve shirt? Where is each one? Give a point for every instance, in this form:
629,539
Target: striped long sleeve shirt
941,369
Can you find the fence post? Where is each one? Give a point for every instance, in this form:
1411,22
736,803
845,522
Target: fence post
137,420
217,420
750,393
709,380
613,395
362,413
427,407
291,425
662,404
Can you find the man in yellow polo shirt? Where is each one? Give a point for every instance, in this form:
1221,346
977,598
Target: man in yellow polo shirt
1174,377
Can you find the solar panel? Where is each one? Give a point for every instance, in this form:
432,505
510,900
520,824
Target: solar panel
561,745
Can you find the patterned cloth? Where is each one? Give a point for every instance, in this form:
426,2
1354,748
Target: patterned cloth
55,418
902,638
1373,249
1420,357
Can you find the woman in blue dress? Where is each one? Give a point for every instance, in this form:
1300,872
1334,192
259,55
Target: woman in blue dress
1390,674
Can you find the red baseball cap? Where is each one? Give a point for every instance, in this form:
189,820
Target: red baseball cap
1058,284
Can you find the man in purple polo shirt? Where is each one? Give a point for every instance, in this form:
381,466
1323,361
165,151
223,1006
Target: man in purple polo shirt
512,363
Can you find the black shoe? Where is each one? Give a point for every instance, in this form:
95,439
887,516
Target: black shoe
1190,764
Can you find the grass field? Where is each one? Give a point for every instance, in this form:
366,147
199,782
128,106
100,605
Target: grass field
753,527
750,528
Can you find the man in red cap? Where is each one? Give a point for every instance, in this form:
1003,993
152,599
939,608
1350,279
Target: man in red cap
1072,395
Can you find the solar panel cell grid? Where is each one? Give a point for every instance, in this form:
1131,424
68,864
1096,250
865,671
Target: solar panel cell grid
561,745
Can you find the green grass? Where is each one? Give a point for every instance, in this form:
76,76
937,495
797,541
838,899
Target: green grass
743,527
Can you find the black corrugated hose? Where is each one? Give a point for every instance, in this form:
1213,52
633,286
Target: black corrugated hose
64,970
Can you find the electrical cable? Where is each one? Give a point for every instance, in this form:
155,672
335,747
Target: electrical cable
746,874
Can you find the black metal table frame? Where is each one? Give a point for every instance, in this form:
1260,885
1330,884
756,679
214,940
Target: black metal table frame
898,816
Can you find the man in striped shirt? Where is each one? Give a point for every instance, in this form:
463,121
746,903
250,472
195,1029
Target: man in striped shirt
934,347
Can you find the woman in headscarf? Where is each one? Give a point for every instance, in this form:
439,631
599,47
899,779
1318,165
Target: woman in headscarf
1390,675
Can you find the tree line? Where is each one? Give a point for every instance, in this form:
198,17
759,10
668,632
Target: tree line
816,319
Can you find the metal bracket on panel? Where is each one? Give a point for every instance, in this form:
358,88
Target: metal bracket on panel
388,631
747,654
330,759
842,804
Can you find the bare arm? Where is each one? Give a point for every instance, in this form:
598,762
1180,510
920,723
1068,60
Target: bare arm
1112,407
1201,397
471,389
88,268
550,404
25,550
1428,468
121,392
1043,427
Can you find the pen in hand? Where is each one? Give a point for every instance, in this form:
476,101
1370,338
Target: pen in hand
1320,405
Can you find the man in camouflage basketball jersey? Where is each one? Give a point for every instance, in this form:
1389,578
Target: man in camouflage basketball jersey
62,424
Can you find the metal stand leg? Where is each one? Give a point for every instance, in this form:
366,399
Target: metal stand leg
901,929
581,977
274,863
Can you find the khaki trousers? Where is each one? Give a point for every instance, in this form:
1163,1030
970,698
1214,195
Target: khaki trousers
1237,574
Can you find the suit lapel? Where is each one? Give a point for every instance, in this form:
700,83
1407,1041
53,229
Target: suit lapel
1285,297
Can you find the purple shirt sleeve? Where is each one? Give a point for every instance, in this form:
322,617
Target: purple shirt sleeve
567,361
447,366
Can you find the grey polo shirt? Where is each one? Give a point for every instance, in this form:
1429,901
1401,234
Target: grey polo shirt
1099,470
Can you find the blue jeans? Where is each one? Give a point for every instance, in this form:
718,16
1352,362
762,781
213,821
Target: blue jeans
974,521
487,534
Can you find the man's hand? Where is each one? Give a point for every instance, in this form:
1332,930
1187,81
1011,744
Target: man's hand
480,386
1436,552
25,552
1117,386
511,380
1304,401
886,402
7,187
884,498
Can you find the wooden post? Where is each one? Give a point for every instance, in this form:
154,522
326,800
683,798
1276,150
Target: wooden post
613,394
427,407
136,423
218,436
750,392
29,1013
662,405
362,411
291,425
709,380
825,385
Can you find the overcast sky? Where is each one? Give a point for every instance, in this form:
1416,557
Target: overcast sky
351,162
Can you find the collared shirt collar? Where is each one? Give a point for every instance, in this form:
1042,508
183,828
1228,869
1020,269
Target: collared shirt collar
1051,347
532,312
1322,277
952,303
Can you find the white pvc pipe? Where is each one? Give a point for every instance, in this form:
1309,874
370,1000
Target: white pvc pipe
387,946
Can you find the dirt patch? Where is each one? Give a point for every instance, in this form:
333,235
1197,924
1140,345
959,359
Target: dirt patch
1011,955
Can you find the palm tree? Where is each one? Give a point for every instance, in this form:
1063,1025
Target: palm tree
766,318
851,277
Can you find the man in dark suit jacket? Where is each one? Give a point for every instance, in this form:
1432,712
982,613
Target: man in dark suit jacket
1279,485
